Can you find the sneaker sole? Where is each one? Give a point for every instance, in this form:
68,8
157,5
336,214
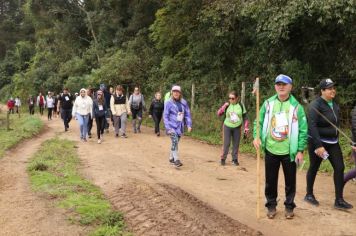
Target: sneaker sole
342,209
313,204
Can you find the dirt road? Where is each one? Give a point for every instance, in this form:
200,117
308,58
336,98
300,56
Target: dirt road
23,212
202,197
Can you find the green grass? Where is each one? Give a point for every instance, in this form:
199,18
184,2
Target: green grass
53,170
20,129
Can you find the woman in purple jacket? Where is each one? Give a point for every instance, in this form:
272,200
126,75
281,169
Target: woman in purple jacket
176,115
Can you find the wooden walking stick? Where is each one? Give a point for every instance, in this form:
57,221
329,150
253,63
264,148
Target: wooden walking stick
256,90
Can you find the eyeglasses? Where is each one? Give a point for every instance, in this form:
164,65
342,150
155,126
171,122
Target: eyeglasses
232,98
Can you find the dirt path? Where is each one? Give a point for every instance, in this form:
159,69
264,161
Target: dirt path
23,212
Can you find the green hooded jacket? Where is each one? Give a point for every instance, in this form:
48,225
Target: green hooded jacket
298,126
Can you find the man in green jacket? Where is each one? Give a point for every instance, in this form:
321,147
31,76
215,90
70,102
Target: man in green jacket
283,129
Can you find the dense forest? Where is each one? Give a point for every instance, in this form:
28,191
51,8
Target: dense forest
217,44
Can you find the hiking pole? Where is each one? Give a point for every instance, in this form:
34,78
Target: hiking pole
337,128
256,89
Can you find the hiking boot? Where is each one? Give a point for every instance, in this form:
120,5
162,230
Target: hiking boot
171,161
289,214
123,136
235,162
310,198
177,163
271,212
341,204
222,162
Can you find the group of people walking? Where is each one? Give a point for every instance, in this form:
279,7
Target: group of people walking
286,130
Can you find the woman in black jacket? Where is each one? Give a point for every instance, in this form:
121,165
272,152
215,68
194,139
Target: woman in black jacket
352,173
99,112
323,143
156,111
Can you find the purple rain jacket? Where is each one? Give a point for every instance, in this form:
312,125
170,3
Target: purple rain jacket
170,117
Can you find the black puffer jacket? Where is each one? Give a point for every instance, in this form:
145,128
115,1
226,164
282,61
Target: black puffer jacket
353,124
318,127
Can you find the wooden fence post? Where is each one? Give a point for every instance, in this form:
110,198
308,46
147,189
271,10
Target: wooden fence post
193,96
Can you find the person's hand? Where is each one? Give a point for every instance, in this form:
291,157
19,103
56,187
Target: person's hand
354,148
320,151
189,129
150,116
246,131
299,158
226,104
257,143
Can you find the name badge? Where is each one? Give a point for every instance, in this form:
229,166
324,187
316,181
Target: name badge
66,98
180,116
101,107
281,120
234,118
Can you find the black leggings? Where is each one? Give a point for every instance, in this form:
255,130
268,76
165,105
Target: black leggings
157,117
50,111
41,109
337,162
100,125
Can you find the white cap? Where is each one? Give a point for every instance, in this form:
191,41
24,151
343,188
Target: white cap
176,88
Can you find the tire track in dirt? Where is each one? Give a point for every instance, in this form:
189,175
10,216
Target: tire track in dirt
22,211
162,209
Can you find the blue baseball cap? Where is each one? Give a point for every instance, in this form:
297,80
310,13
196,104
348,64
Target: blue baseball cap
283,79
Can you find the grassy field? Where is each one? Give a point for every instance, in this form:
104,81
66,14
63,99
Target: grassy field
20,129
53,170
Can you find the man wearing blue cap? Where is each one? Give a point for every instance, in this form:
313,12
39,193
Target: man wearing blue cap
283,128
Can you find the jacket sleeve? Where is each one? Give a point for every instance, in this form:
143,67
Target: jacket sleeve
303,129
166,116
112,105
188,116
312,125
353,124
128,106
222,109
74,110
150,111
262,117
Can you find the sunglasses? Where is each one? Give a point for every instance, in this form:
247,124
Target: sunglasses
232,98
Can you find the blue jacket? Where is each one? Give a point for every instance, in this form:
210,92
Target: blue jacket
170,117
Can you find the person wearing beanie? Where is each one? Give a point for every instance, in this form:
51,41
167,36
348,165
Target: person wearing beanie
82,109
283,129
99,111
323,143
176,115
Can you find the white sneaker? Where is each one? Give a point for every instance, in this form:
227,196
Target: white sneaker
99,141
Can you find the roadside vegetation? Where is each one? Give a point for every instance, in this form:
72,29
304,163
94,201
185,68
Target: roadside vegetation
54,171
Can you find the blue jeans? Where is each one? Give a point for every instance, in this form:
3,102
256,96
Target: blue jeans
83,122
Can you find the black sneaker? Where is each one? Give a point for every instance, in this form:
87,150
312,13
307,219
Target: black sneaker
123,136
177,163
310,198
171,161
341,204
289,214
89,135
158,134
116,135
222,162
65,129
271,212
235,162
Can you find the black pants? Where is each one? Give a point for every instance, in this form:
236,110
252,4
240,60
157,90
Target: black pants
100,125
337,162
50,111
66,116
90,124
272,164
157,117
41,109
31,109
